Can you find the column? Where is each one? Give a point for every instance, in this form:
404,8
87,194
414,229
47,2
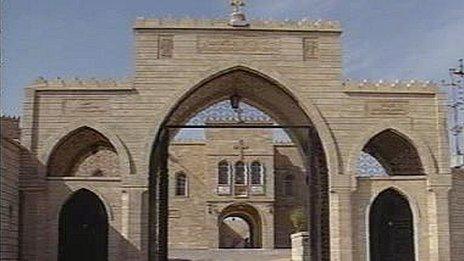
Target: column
438,211
341,245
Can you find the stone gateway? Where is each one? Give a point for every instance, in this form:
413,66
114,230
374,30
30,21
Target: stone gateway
100,173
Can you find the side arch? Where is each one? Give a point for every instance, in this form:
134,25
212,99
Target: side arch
126,164
424,152
328,140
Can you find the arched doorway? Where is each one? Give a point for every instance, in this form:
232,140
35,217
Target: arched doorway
268,95
240,227
391,230
83,228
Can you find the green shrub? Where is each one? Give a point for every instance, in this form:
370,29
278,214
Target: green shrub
299,220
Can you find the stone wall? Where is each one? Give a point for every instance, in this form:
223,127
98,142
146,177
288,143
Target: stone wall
199,161
457,215
11,152
10,169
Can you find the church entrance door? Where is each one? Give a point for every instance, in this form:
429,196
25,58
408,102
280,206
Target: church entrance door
391,228
83,228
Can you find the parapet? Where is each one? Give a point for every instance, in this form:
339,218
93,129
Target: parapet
82,84
266,25
10,127
402,87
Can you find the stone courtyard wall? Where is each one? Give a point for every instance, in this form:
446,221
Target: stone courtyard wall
199,161
10,169
456,196
11,152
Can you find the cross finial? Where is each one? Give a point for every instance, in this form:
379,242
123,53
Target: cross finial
237,17
237,4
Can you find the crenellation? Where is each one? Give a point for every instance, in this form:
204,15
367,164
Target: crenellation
76,83
402,86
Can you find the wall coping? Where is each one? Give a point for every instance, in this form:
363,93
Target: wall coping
222,24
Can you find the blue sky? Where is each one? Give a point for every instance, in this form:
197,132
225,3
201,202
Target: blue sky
386,39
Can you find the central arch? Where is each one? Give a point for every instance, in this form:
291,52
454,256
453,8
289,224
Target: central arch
277,101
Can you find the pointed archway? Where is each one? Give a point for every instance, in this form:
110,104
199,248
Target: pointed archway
391,229
268,95
83,228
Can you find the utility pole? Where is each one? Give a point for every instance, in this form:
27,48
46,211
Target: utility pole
457,105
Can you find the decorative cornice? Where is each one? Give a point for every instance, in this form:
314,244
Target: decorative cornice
11,118
285,25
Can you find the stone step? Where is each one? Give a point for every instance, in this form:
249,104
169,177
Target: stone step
229,254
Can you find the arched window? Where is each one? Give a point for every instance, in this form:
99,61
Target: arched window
240,173
223,173
256,173
181,184
288,185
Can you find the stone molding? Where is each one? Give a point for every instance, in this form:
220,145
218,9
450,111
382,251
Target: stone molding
214,24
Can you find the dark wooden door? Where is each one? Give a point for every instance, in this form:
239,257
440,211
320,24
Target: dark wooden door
391,228
83,228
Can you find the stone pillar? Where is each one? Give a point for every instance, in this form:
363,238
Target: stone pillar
341,245
268,226
439,223
301,247
158,200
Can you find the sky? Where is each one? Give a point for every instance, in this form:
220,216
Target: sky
388,39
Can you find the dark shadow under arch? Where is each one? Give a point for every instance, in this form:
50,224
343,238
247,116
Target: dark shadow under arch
74,148
391,228
83,228
395,152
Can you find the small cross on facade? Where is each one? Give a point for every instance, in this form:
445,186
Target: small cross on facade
237,18
242,147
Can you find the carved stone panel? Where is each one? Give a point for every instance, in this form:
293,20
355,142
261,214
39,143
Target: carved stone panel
78,106
237,44
387,108
165,46
310,48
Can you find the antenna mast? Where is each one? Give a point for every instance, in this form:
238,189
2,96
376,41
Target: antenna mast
457,105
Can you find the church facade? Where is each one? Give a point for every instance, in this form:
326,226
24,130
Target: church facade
102,167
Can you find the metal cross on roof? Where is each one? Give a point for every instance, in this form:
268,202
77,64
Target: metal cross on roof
237,4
